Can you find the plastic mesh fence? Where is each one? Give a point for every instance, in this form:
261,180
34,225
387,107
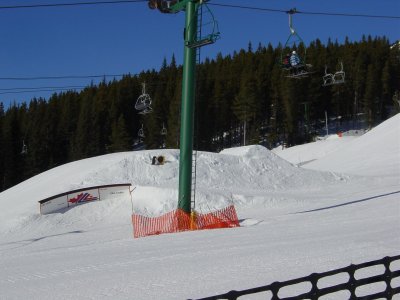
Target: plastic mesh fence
178,220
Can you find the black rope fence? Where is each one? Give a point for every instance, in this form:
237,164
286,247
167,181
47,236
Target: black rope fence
383,281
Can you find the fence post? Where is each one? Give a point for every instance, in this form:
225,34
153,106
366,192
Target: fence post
275,289
314,288
352,281
387,276
232,295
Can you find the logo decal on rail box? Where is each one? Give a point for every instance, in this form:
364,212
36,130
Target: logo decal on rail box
83,197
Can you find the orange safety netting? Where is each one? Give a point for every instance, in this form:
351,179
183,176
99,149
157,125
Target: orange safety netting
178,220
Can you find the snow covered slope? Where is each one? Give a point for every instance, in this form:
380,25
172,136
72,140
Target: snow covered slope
376,153
294,221
306,153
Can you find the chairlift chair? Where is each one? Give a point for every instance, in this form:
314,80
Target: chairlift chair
302,69
339,76
147,110
207,27
144,101
328,78
333,79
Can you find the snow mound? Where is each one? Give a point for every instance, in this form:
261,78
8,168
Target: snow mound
235,173
252,151
256,167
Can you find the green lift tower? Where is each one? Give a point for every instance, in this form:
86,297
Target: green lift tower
193,39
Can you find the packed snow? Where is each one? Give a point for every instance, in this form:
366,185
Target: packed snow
306,153
305,209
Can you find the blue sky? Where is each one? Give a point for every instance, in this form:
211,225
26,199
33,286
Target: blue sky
129,38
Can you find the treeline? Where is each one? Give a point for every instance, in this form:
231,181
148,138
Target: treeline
248,87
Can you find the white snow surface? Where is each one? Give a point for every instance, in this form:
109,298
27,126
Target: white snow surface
303,154
341,208
368,154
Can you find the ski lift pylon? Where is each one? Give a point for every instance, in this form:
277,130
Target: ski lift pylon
144,101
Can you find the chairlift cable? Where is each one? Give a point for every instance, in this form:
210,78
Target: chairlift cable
49,5
62,77
305,12
348,15
248,7
40,90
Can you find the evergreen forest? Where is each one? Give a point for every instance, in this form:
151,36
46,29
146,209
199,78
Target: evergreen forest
241,98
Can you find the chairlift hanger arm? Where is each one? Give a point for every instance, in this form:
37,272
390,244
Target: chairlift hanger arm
172,6
179,5
163,6
290,13
341,66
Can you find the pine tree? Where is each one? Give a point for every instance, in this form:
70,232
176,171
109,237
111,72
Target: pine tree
396,101
39,137
288,101
174,120
246,105
1,147
371,100
120,139
68,118
83,142
13,165
386,89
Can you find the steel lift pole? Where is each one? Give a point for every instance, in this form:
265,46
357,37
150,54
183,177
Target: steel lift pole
191,43
187,110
